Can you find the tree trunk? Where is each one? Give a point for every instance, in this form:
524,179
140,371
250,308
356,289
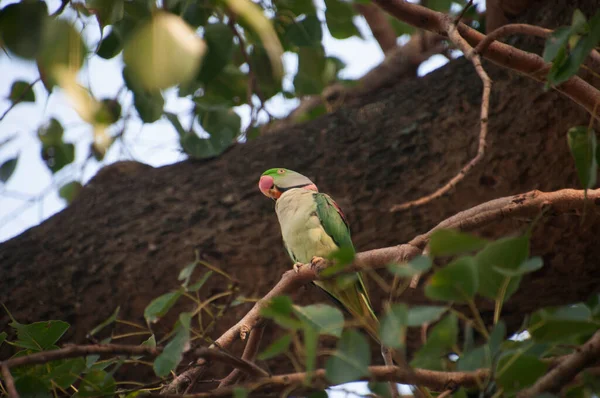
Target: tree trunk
133,227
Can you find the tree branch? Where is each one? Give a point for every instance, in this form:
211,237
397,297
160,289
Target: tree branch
512,29
438,381
249,355
380,26
566,370
501,54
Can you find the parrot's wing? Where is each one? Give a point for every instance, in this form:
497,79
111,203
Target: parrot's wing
333,220
336,226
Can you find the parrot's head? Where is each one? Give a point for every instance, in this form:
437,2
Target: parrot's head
274,182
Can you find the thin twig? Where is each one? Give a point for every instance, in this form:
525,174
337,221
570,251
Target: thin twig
446,394
462,12
467,50
9,382
249,355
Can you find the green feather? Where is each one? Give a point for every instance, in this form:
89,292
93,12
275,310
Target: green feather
355,298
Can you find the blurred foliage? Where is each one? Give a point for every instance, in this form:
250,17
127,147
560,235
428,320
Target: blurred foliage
457,338
218,54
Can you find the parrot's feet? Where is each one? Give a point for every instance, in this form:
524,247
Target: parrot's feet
318,263
297,267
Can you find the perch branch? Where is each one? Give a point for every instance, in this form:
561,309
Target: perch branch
523,205
472,56
566,370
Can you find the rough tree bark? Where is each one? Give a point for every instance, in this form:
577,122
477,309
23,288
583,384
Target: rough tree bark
125,238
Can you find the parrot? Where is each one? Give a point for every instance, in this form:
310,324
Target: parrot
313,227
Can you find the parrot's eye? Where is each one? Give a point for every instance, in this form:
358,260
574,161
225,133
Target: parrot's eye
280,171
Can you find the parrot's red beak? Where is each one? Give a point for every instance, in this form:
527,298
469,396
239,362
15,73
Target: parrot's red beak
266,184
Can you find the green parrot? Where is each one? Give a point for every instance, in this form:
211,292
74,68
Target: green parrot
313,227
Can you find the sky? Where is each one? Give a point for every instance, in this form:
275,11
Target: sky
31,195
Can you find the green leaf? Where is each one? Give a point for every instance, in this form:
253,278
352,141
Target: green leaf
582,143
3,336
97,383
219,39
311,341
306,33
517,371
440,342
240,392
507,253
268,82
22,27
295,8
186,273
110,320
148,103
455,282
483,356
393,326
55,153
561,323
531,265
32,386
66,372
416,266
380,389
439,5
160,306
8,168
311,66
351,359
172,353
279,346
222,124
163,52
21,91
448,242
325,319
107,11
557,41
39,336
111,45
318,394
70,191
582,38
419,315
280,309
338,15
63,47
196,286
